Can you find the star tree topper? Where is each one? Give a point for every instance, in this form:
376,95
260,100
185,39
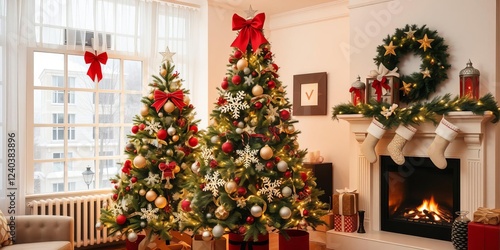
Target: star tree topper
167,55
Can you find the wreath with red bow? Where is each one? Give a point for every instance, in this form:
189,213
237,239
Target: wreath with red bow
432,51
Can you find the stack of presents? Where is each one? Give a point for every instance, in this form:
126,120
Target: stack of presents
484,230
345,211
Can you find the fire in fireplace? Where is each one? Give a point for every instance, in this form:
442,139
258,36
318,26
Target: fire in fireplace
418,198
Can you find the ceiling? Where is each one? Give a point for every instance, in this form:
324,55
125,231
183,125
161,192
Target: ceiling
270,7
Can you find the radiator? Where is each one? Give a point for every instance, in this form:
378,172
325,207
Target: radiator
85,211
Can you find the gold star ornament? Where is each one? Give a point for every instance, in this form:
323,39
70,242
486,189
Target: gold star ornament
410,34
389,49
426,73
406,88
425,42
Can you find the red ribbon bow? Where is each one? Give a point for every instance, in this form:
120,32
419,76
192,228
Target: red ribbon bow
250,32
377,85
95,64
177,97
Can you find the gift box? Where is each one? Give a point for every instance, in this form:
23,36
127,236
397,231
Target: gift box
328,219
178,237
345,202
483,236
215,244
236,242
294,239
345,223
487,216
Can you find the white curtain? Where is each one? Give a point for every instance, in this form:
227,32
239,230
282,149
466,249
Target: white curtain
136,28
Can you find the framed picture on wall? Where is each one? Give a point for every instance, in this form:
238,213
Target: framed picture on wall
309,94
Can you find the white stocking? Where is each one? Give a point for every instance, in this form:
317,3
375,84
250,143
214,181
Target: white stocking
445,133
375,131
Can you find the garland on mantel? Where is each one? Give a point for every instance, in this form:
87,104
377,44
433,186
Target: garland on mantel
392,115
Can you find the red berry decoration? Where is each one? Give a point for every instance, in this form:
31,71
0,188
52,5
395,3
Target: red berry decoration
303,176
285,114
237,179
237,54
275,67
142,126
135,129
127,188
270,165
213,163
202,186
236,79
271,84
162,166
242,191
121,219
227,147
224,84
127,164
288,174
277,159
258,105
133,179
193,128
114,197
305,212
193,141
235,123
161,134
181,122
250,220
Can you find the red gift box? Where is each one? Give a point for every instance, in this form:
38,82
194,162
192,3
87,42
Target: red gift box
345,223
483,237
236,242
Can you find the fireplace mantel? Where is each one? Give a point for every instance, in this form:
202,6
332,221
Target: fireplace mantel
364,176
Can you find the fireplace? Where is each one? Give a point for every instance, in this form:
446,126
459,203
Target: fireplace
418,198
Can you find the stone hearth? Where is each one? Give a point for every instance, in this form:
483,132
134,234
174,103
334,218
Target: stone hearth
468,147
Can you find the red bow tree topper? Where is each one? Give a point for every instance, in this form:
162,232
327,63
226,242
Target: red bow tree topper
160,97
95,64
250,32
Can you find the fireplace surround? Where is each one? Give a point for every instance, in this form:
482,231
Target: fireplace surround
468,146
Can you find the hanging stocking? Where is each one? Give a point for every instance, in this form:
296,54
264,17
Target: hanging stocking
375,131
404,133
445,133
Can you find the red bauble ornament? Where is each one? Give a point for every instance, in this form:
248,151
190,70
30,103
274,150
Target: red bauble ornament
213,163
242,230
235,123
242,191
237,179
224,84
202,186
271,84
285,114
193,128
250,220
227,147
161,134
135,129
236,79
270,165
258,105
255,74
237,54
303,176
288,174
277,159
275,67
181,122
193,141
186,205
127,188
133,179
305,212
286,147
142,126
162,166
121,219
114,197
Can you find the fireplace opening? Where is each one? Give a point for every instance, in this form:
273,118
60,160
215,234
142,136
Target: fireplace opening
418,198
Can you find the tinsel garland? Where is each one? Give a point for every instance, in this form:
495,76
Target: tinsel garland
420,112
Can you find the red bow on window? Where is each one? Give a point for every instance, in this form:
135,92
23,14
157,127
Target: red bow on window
95,64
250,32
377,85
177,97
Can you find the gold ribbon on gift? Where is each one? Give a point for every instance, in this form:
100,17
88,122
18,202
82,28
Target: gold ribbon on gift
487,216
341,195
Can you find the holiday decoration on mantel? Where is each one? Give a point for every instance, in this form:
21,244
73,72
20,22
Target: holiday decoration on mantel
357,92
153,183
251,174
469,82
383,85
95,61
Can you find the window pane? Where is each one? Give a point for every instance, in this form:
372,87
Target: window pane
132,75
43,71
109,139
46,176
77,69
132,107
83,144
111,75
43,142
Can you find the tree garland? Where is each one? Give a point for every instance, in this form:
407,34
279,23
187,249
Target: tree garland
392,116
432,51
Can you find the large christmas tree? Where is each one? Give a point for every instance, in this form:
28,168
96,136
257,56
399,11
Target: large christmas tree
251,178
153,180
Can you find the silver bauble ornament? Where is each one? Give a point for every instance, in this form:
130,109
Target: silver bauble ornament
282,166
239,131
209,216
247,71
218,231
286,191
171,131
285,213
215,139
256,211
170,152
206,235
195,167
241,124
132,237
143,224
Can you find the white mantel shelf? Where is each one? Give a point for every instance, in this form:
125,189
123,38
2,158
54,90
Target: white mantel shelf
468,146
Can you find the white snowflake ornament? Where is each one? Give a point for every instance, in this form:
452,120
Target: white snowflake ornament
234,104
247,156
271,189
213,183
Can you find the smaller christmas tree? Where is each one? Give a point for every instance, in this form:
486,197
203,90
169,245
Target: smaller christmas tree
251,178
152,184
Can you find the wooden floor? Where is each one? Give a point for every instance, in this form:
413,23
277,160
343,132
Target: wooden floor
317,242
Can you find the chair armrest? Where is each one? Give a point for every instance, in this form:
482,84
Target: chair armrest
42,228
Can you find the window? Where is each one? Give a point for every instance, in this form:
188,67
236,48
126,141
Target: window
58,132
59,187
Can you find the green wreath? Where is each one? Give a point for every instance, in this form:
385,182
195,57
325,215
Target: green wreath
432,51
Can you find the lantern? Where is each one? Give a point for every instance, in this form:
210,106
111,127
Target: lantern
469,82
357,92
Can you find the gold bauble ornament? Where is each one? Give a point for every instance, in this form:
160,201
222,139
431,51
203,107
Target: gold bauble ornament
163,72
290,129
169,107
144,111
177,169
151,195
160,202
151,96
266,152
139,161
242,64
221,213
187,101
231,187
175,138
257,90
142,192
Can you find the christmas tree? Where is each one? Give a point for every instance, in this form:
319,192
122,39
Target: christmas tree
251,178
153,181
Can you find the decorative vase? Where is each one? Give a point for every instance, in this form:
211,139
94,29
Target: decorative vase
361,228
459,230
297,239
